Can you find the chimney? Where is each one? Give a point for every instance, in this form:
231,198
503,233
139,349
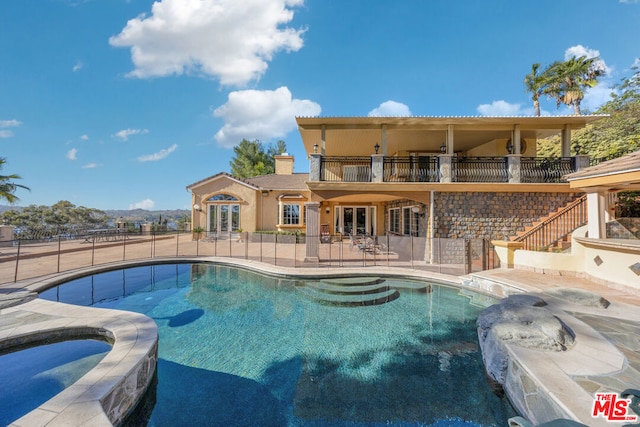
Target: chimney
284,164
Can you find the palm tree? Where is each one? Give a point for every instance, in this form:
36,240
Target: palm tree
535,84
7,186
568,80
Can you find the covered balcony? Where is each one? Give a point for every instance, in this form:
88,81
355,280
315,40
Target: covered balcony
439,149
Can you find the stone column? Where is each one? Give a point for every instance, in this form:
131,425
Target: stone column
314,167
581,161
444,163
313,232
513,168
377,167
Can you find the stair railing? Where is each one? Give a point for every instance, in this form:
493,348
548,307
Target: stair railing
556,227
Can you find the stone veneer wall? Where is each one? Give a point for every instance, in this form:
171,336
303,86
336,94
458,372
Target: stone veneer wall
492,215
624,228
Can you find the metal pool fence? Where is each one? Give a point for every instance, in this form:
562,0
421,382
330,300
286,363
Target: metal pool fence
28,258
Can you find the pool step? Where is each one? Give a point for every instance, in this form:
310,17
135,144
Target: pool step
350,292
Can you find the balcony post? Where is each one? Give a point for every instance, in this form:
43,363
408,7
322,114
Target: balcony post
444,165
314,167
377,167
312,232
513,168
581,161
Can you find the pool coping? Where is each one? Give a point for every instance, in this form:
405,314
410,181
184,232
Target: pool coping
93,398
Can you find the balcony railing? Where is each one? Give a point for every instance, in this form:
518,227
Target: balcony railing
444,169
540,169
345,169
411,169
479,169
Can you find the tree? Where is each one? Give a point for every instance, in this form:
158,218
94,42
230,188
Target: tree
535,83
566,81
7,186
61,215
609,137
251,159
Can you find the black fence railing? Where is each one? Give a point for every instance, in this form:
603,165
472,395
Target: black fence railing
545,170
345,169
23,258
411,169
479,169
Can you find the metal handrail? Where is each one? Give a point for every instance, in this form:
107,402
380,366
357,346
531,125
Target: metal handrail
410,169
479,169
556,227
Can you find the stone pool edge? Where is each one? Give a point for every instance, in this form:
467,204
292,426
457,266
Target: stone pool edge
106,394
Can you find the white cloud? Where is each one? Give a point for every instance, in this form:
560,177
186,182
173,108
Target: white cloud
5,133
84,137
229,40
90,166
143,204
124,134
390,109
72,154
77,66
159,155
580,50
504,108
9,123
260,114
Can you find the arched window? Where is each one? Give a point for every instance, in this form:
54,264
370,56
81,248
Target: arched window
222,198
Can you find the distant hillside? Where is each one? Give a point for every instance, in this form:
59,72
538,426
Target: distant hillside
145,216
138,216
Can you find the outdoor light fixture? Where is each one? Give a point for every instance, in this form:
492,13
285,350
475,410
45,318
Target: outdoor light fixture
376,147
196,207
509,147
443,148
328,210
415,209
315,148
578,148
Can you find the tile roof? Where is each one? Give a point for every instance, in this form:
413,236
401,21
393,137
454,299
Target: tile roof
627,163
272,181
295,181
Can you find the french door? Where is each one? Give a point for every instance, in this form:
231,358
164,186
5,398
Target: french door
224,218
356,220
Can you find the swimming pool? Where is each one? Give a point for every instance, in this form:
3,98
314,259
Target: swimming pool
241,348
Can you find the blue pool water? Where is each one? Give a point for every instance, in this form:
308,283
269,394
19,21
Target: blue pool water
239,348
29,377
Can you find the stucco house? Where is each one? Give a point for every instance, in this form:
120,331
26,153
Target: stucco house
222,203
451,177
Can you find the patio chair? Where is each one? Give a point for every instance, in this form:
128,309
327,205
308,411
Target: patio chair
356,241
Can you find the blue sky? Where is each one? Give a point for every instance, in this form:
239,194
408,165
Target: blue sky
118,104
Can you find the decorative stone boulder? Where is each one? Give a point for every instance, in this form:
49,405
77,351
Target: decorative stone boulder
521,320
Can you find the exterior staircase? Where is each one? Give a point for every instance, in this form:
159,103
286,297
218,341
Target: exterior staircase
553,232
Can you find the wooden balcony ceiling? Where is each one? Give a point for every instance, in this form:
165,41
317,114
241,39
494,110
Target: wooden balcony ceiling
621,174
356,136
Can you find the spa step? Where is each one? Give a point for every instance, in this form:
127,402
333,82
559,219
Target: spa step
350,299
350,291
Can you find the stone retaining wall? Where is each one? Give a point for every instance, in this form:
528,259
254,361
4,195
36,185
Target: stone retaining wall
492,215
